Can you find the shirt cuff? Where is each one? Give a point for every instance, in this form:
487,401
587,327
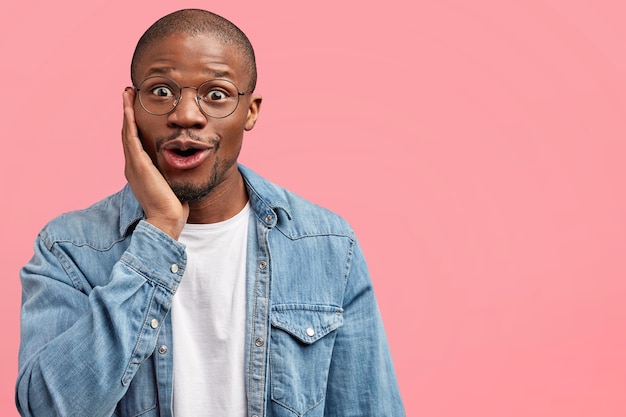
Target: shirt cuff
156,256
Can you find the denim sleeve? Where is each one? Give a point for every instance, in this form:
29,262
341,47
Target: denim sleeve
80,349
362,380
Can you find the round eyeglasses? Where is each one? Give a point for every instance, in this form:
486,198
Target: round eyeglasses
216,98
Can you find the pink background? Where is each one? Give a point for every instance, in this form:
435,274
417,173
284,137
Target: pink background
476,147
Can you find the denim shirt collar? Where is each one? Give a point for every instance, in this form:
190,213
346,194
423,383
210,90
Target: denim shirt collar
267,202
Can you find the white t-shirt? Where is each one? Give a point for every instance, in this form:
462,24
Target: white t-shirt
209,320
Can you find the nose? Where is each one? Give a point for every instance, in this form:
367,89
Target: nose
187,113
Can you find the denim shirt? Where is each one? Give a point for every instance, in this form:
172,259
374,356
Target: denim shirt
96,339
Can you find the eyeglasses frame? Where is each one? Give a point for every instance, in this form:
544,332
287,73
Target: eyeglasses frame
198,98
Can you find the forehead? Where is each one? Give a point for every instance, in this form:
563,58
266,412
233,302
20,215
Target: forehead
190,57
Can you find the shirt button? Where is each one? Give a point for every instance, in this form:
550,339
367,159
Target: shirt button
268,218
154,323
263,265
259,342
162,349
174,268
310,332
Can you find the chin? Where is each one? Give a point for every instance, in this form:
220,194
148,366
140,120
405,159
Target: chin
188,191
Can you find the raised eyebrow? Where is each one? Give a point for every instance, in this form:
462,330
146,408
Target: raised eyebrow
220,74
158,71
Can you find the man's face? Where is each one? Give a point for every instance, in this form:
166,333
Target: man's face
195,153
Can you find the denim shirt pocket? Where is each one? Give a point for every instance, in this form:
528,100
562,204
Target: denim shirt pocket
302,339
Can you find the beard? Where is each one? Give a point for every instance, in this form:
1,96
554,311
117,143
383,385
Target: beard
189,193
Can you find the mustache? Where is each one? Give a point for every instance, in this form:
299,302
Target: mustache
213,141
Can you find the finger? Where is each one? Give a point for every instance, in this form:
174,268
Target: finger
128,99
137,162
130,136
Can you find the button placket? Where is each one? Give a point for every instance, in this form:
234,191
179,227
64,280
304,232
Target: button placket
260,318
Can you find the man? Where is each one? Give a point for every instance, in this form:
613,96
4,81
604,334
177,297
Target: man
200,288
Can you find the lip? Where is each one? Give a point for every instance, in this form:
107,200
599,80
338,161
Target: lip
174,159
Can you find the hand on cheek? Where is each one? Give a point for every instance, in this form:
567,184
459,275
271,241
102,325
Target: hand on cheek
160,205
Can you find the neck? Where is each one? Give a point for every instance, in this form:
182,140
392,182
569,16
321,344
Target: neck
226,200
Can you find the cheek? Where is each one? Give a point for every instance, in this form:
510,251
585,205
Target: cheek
232,137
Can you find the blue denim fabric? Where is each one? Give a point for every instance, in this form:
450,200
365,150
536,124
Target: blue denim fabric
96,339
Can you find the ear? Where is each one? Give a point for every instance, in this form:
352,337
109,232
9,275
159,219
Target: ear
253,111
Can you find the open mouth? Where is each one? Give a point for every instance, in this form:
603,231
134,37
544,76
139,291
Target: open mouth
186,158
185,152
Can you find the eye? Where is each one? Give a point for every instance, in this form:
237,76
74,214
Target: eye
162,91
215,95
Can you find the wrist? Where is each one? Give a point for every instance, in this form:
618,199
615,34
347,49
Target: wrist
172,228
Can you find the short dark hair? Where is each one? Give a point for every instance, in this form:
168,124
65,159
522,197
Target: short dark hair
196,22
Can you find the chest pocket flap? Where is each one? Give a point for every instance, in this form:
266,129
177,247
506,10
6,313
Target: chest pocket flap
305,322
